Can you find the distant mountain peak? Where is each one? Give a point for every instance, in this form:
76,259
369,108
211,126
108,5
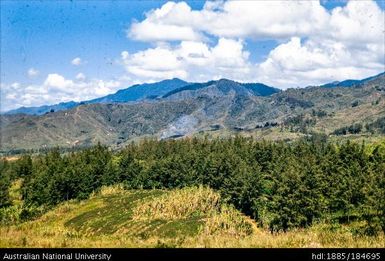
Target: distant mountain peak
175,80
225,80
223,86
351,82
131,94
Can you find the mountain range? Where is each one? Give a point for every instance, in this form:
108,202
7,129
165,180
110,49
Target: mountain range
138,92
133,93
174,108
158,89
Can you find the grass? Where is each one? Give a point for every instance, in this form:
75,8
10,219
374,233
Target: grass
189,217
187,202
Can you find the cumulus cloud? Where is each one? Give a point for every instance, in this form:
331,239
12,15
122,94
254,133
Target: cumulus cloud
191,60
32,72
148,31
58,82
312,62
314,44
358,20
256,19
77,61
157,28
54,89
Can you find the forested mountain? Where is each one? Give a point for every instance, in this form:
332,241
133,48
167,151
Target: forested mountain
220,88
141,91
214,108
149,91
39,110
133,93
350,83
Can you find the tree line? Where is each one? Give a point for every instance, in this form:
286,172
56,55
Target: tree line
282,185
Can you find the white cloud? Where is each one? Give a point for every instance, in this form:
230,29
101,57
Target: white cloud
300,64
154,29
148,31
32,72
54,89
195,61
315,44
358,20
77,61
106,87
154,63
255,19
58,82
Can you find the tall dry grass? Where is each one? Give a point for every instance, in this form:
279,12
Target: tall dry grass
109,190
180,203
229,221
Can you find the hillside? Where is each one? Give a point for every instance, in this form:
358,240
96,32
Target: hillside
190,217
118,218
216,108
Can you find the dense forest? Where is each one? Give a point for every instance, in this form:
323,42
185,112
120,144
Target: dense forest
282,185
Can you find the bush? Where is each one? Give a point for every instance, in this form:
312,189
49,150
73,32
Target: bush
280,185
16,214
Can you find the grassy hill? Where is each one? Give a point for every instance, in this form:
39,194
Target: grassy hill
189,217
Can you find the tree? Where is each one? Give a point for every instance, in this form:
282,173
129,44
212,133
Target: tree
4,184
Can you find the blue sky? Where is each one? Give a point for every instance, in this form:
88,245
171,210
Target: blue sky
54,51
47,35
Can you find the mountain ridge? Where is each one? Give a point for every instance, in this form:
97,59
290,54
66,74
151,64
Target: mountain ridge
163,89
350,82
219,108
257,89
132,93
136,93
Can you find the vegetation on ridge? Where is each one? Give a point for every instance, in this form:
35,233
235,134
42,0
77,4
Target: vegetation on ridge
282,186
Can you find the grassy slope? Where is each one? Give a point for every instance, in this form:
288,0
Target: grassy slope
191,217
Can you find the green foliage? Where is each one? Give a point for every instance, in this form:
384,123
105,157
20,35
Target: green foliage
57,178
300,123
378,125
280,185
19,213
7,174
352,129
319,113
24,166
4,188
